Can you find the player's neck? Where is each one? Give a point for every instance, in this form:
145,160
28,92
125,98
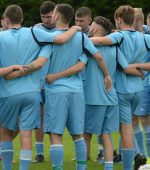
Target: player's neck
60,25
16,26
98,35
86,29
126,27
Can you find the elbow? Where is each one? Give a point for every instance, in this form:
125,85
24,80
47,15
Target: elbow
80,67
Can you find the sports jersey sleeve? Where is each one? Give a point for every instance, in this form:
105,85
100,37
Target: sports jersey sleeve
147,41
83,58
43,36
115,37
89,45
145,27
122,60
45,51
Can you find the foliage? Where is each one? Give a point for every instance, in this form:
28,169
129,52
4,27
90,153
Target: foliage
104,7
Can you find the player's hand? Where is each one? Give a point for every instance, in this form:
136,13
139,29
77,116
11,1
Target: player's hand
50,78
136,65
18,68
108,83
77,28
27,68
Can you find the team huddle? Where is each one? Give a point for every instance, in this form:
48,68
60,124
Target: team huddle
92,78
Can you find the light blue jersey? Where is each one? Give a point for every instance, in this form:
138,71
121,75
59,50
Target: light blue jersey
146,81
17,46
44,69
146,29
64,56
95,92
132,40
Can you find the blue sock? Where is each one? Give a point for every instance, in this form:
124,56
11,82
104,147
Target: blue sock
127,157
7,155
25,159
81,152
139,138
57,156
108,165
147,135
39,148
136,147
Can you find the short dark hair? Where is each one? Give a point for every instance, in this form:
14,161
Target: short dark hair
105,23
14,13
66,11
46,7
83,11
126,12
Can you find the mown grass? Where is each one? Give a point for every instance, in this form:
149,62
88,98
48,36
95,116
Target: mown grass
69,154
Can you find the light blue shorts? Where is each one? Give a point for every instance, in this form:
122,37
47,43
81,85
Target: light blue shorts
144,107
64,109
101,119
128,105
20,111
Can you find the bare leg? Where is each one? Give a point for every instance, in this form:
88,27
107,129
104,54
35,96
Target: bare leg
108,148
88,138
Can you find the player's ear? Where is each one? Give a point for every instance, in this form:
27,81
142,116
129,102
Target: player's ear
6,21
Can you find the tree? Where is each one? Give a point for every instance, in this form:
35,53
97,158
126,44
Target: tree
105,8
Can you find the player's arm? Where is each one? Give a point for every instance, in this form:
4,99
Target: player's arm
68,72
6,70
134,72
99,59
63,38
101,40
142,66
43,56
113,38
28,69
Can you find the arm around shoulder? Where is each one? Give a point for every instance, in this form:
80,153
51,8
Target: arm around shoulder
66,36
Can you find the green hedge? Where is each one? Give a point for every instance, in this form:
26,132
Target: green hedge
99,7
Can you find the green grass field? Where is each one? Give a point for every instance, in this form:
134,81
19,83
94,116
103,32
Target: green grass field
69,154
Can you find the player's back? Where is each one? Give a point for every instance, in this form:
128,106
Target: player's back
134,50
95,79
63,57
17,46
133,46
